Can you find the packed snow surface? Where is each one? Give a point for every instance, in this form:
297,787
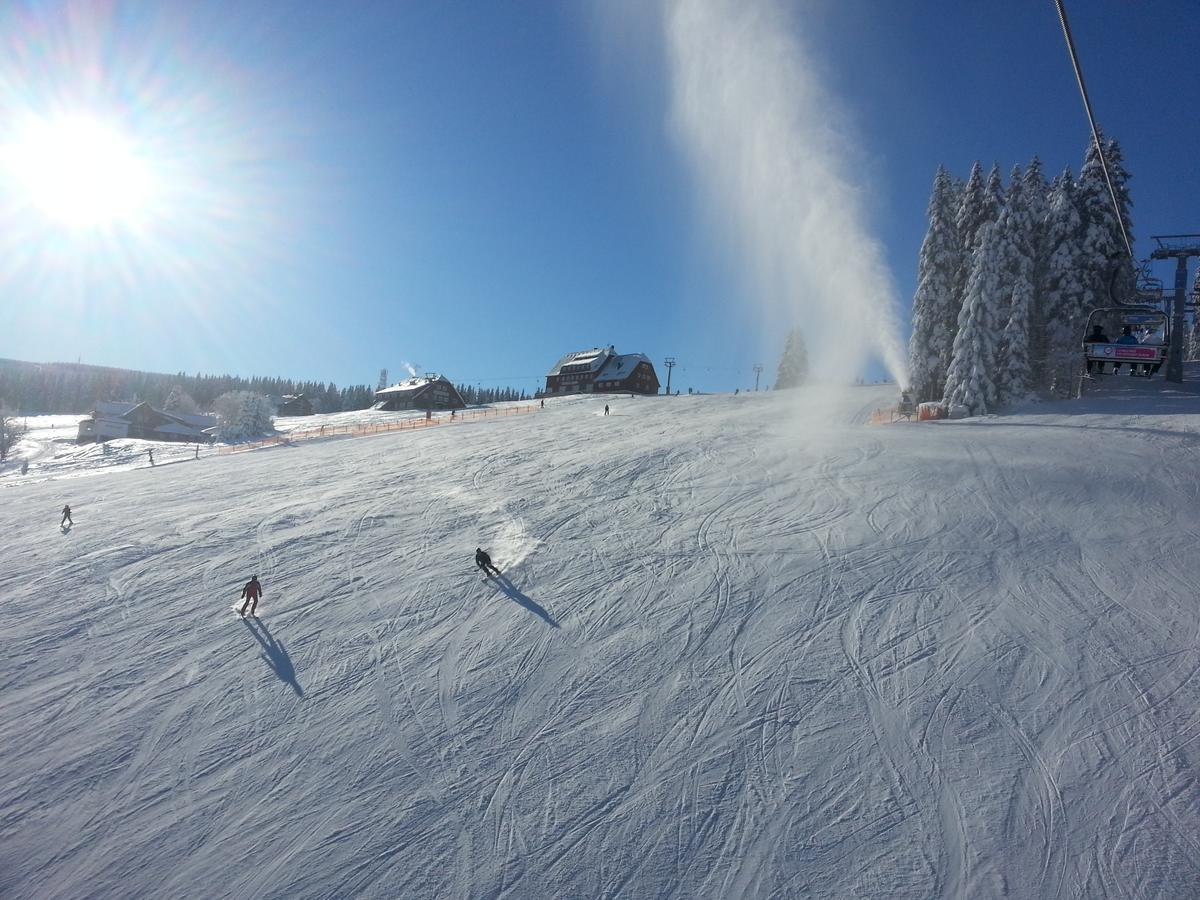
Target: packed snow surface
735,654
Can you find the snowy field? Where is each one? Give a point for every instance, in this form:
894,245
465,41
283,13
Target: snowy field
48,443
737,655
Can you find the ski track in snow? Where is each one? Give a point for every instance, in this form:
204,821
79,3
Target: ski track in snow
734,656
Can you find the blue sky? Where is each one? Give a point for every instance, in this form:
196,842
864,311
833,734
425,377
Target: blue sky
476,188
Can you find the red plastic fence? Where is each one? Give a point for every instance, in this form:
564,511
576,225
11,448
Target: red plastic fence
365,428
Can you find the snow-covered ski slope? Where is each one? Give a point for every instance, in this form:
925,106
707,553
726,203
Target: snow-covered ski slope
738,656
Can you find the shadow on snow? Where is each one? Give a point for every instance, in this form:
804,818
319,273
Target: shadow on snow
516,596
275,655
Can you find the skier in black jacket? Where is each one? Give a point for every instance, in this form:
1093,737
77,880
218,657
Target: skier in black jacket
485,563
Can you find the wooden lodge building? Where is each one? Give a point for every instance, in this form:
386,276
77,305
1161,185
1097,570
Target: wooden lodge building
140,420
427,391
602,370
294,405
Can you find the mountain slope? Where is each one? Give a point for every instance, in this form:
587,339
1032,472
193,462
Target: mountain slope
737,655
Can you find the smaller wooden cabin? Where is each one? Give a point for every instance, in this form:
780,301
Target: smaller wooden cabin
140,420
294,405
423,392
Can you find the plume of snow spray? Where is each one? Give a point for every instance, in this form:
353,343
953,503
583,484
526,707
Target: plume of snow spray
763,138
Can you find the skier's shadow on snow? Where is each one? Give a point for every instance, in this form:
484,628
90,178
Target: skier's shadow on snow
275,655
533,606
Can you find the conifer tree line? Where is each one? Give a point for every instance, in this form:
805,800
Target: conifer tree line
473,396
33,388
39,388
1007,276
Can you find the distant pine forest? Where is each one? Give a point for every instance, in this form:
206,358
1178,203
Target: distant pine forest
43,388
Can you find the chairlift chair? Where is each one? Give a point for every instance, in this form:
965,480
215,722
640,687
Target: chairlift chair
1151,326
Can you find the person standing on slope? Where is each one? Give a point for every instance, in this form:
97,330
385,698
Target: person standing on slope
485,563
606,409
251,591
66,519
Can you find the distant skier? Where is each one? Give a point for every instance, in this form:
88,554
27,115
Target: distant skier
251,591
151,452
485,563
606,409
66,518
543,405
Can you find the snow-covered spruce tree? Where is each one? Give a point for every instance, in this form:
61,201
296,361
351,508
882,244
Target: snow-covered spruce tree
935,305
1015,234
1035,194
993,194
1107,270
971,215
1064,299
793,365
242,415
179,401
978,205
1015,374
969,385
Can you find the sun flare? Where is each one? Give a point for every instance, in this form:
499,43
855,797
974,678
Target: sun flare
80,171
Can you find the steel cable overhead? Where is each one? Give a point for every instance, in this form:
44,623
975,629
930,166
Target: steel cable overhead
1087,105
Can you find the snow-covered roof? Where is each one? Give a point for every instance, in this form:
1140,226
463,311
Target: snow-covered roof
412,384
176,428
193,419
620,366
593,359
119,408
108,410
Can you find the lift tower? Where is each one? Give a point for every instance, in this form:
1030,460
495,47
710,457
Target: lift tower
1180,247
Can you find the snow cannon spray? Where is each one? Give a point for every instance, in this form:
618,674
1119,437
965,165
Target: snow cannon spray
784,180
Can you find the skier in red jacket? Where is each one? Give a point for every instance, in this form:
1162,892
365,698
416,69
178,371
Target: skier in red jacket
251,592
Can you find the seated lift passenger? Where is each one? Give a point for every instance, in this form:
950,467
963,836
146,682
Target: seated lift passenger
1096,337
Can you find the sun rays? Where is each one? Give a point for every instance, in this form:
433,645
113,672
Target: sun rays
79,171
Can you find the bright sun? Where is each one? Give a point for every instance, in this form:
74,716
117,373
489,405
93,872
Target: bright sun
79,171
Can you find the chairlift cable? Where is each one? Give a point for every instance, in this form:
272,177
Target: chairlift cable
1087,105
